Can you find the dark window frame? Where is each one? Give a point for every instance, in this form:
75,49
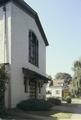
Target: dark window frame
26,86
33,49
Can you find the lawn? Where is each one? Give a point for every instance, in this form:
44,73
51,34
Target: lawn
62,115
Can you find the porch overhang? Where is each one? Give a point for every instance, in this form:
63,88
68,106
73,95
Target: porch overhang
32,75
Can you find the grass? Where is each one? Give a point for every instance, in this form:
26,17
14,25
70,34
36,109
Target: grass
62,115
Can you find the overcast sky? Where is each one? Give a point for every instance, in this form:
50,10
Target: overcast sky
61,20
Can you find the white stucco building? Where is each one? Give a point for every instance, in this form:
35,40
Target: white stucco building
23,48
57,89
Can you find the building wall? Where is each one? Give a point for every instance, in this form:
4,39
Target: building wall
53,90
54,93
1,36
5,37
5,43
21,23
14,50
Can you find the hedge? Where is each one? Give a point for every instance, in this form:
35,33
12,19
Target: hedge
54,101
34,105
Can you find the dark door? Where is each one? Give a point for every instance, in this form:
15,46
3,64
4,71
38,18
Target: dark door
33,89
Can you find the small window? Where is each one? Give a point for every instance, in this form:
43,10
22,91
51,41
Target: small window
57,91
33,48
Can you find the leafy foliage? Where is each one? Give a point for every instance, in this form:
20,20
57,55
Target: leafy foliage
77,65
77,76
68,99
3,80
50,77
54,101
77,69
67,77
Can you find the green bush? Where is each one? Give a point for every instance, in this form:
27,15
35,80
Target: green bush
3,80
54,101
2,111
34,105
68,99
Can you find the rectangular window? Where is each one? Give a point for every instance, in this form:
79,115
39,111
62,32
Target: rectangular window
33,49
57,91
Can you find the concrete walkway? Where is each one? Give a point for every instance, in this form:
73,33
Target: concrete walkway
76,110
20,115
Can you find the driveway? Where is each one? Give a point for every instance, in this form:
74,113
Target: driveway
74,108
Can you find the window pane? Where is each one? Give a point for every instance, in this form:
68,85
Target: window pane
33,49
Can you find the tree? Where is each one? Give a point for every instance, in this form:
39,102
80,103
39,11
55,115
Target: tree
67,77
77,76
77,69
77,65
50,77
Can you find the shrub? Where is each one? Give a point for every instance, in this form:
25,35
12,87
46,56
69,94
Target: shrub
54,101
68,99
2,111
3,80
34,105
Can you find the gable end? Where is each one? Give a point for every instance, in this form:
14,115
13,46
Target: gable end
26,8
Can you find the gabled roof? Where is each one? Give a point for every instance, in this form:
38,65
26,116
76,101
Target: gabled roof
57,83
25,7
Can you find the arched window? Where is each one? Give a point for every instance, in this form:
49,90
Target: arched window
33,48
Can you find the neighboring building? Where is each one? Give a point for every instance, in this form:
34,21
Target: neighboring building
23,49
58,89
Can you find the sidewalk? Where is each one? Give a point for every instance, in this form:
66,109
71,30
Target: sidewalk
20,115
74,117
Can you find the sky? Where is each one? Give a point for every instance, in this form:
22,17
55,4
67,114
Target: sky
61,20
